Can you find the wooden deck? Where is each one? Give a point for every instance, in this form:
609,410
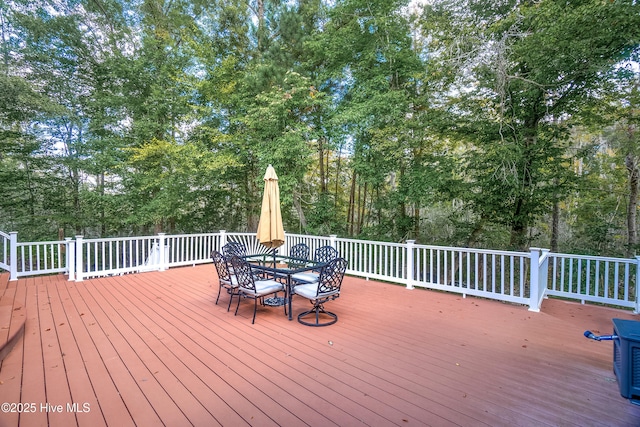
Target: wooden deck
153,349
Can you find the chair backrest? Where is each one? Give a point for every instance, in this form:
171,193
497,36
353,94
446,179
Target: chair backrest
331,276
220,261
325,254
234,248
300,251
242,270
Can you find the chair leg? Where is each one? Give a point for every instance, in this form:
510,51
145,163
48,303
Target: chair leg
316,311
238,305
255,309
231,294
219,290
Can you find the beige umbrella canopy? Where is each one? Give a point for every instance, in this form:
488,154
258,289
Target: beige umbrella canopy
270,230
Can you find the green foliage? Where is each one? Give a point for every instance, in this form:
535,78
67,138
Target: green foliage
520,72
455,126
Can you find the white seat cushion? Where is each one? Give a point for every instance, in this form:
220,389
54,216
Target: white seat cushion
305,277
310,291
233,282
264,287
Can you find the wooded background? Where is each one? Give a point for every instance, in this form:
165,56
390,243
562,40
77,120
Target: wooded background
486,123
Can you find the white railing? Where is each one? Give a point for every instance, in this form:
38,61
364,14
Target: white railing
117,255
190,249
539,276
499,275
5,248
612,281
32,258
38,258
516,277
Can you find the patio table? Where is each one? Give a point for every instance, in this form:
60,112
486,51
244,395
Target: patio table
282,267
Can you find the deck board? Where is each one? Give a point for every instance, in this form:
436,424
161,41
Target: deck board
154,349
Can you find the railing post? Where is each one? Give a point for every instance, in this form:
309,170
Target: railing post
79,258
161,258
286,246
410,276
223,240
70,250
13,256
332,240
534,275
636,310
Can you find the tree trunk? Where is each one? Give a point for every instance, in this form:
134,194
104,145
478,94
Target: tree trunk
298,207
632,231
337,186
362,202
475,233
518,238
261,29
323,177
416,221
352,202
103,225
555,222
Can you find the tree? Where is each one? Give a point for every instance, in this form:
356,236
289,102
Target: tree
623,137
522,69
369,66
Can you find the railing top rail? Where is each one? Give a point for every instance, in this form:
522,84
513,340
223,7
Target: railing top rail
213,233
474,250
543,257
5,235
40,243
370,242
118,239
594,258
436,247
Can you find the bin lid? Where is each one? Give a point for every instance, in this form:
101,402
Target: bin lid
627,329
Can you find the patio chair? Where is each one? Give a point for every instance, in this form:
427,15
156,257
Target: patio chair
300,252
226,280
234,248
251,287
327,288
322,254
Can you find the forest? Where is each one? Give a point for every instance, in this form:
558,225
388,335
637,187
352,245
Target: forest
499,124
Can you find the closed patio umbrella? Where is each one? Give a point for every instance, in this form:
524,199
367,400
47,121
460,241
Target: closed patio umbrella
270,230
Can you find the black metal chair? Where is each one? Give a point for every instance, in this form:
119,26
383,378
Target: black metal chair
234,248
299,254
327,288
300,250
322,254
249,286
226,280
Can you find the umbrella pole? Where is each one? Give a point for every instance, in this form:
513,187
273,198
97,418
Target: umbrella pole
276,300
